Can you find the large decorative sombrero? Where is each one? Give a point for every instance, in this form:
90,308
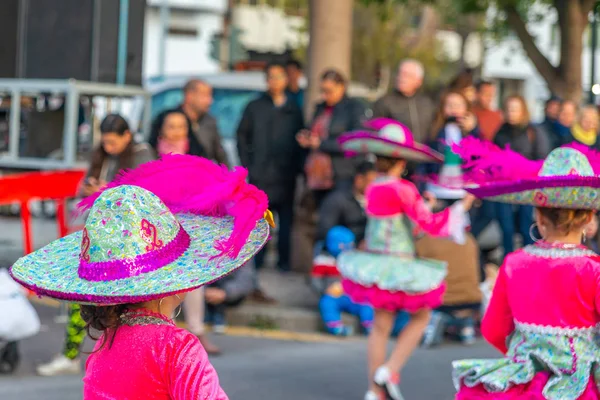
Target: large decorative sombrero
134,248
567,178
386,137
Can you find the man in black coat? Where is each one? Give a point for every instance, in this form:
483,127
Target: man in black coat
197,99
266,141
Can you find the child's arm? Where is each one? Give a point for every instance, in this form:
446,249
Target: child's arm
498,322
190,373
450,222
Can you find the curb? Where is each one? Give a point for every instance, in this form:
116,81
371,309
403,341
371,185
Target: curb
265,321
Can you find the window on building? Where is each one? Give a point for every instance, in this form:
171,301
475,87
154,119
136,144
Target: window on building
183,31
554,35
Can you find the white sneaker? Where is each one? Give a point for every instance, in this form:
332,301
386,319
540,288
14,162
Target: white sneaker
371,395
60,365
389,382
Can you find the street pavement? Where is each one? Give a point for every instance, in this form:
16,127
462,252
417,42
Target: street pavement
260,368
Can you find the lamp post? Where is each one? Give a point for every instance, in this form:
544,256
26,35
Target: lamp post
594,42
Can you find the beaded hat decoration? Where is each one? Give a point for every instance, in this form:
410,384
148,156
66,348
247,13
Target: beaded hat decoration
134,248
567,178
387,137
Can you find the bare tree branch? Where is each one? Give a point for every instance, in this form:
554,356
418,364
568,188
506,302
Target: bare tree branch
543,65
587,5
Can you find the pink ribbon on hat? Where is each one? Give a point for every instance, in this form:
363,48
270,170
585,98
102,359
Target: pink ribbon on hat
111,270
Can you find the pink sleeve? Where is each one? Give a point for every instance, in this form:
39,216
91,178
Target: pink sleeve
498,322
191,374
415,208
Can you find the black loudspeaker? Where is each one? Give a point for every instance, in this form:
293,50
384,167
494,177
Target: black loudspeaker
60,39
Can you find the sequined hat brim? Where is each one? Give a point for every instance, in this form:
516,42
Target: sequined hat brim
571,191
53,270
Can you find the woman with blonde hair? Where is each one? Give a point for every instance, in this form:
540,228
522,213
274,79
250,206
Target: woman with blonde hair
585,130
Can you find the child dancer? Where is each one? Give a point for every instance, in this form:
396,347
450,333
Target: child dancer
386,274
545,307
146,243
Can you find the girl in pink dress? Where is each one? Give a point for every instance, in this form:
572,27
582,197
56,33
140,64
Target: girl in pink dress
151,236
544,312
386,273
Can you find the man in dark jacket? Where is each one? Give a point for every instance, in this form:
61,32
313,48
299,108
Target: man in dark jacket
197,99
266,140
406,104
346,206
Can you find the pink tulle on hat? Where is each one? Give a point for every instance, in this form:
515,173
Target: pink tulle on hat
217,192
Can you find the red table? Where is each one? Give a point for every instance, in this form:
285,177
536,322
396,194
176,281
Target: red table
44,185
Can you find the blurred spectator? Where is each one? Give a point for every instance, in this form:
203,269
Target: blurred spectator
488,119
294,91
518,132
268,148
326,165
585,131
406,103
228,292
346,206
464,84
462,299
117,151
523,138
454,110
551,111
561,132
176,137
197,99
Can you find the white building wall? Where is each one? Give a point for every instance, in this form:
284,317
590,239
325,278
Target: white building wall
184,53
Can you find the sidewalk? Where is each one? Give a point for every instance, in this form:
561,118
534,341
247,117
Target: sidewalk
296,308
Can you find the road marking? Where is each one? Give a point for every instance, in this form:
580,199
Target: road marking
245,331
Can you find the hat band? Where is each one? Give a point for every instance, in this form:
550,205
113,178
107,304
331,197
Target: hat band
128,267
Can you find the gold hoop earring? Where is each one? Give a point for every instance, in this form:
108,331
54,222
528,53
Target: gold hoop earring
583,237
180,307
159,304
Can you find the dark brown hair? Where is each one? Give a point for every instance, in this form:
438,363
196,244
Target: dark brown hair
440,118
113,123
383,164
105,319
333,75
565,221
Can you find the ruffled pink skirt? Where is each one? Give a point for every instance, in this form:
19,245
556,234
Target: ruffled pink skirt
529,391
393,301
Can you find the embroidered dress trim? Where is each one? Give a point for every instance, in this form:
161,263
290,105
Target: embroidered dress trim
556,330
142,318
557,252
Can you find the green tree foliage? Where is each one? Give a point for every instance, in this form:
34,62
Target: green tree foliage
564,77
386,32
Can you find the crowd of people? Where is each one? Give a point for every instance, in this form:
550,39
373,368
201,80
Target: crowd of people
394,205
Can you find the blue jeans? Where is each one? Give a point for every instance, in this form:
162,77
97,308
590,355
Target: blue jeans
506,218
482,216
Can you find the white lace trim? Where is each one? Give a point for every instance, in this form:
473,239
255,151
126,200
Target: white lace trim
556,330
555,252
